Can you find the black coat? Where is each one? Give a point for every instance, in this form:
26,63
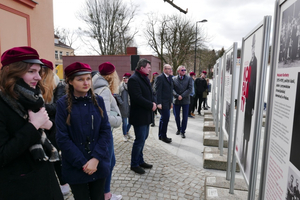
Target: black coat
164,91
200,86
20,176
141,100
58,92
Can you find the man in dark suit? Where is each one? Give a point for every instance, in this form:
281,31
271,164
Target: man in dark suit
142,106
164,92
182,88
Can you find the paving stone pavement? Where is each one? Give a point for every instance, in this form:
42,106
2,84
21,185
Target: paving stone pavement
177,171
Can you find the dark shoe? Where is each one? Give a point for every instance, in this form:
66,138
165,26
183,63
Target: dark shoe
159,137
138,170
152,125
178,133
199,113
145,165
166,140
205,108
182,135
191,116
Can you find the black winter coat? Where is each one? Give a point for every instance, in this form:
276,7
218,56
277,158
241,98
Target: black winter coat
20,176
141,100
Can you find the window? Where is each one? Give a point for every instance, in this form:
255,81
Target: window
56,55
67,53
60,55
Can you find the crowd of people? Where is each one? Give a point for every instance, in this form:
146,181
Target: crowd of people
56,136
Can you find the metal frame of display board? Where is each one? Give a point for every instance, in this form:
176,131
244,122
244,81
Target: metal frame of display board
266,23
233,48
221,97
218,97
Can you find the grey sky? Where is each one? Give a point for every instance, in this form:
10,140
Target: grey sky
228,20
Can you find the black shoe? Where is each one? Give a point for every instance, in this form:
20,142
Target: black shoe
182,135
138,170
178,133
166,140
199,113
205,108
152,125
159,137
191,116
145,165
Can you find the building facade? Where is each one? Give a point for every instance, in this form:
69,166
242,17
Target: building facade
27,23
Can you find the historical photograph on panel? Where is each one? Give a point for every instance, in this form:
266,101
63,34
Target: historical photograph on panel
295,147
292,191
289,49
227,89
251,56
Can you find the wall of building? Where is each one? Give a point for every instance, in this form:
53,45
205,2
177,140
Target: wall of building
23,25
121,62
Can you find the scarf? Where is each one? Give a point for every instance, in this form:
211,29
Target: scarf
32,99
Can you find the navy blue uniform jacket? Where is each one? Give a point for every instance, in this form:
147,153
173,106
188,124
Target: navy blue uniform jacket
87,137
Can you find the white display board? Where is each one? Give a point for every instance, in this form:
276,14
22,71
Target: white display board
282,175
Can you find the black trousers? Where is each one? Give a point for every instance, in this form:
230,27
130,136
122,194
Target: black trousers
192,105
92,190
199,100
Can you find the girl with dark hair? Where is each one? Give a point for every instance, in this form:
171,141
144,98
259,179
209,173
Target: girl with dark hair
25,151
83,135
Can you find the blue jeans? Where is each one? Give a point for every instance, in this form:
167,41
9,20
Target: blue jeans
125,126
141,134
185,112
112,164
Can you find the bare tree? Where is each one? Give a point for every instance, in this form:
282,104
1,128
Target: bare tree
67,36
173,38
108,22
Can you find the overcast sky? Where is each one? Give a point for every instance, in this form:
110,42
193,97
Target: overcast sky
228,20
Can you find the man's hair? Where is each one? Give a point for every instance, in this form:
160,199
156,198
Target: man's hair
166,65
178,68
142,63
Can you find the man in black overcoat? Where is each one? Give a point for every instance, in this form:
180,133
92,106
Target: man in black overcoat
141,111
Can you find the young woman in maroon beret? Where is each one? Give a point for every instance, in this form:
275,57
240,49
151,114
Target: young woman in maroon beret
25,151
105,84
83,135
54,90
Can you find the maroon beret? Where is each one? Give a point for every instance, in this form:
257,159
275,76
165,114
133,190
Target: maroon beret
17,54
204,72
77,69
192,74
106,68
155,73
127,75
47,63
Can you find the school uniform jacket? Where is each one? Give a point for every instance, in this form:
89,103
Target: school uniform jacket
87,137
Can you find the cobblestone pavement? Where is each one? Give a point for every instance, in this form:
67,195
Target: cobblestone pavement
172,176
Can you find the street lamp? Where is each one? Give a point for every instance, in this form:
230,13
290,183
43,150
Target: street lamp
204,20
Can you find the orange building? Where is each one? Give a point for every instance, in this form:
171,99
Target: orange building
27,23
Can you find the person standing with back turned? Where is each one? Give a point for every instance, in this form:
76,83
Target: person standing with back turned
141,111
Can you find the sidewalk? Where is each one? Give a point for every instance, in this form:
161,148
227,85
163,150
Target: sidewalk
177,171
